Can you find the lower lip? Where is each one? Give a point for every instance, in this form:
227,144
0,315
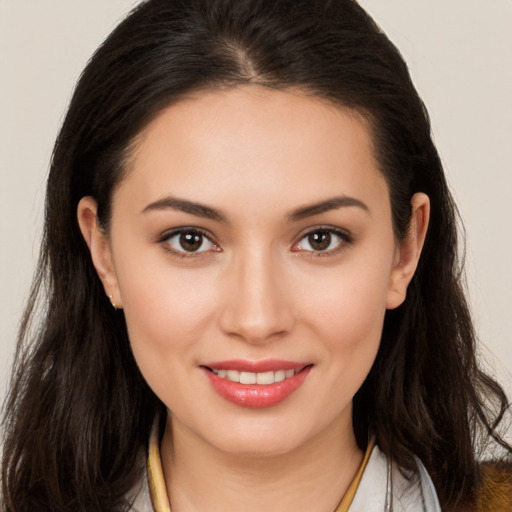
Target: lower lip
256,395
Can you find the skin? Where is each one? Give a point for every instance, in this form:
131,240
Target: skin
257,291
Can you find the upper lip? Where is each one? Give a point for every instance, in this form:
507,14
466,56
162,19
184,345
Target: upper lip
267,365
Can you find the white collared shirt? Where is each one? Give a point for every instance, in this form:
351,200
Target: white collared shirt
382,488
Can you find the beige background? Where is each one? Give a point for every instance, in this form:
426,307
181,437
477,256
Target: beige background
460,55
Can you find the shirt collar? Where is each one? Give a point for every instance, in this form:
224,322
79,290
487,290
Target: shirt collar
158,489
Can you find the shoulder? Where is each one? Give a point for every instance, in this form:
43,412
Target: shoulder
140,497
385,487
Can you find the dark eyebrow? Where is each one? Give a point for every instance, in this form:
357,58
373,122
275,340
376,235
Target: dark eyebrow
324,206
186,206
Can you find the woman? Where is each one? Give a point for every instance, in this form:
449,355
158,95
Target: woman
254,187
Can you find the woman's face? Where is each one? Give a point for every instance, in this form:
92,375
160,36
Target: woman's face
251,239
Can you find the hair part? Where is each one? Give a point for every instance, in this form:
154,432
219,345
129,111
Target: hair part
79,412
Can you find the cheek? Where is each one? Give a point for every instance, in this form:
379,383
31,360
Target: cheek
346,312
350,325
349,306
165,316
347,316
165,308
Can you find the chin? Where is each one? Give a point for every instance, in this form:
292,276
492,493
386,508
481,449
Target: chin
257,441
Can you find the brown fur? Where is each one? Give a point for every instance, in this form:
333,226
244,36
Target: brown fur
495,493
495,490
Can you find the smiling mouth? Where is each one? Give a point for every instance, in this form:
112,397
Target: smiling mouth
256,384
261,378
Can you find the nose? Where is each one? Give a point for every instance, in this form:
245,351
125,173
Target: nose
257,307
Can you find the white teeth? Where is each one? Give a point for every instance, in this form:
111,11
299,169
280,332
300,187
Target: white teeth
263,378
279,376
247,378
233,375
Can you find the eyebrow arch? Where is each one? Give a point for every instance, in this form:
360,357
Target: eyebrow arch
324,206
186,206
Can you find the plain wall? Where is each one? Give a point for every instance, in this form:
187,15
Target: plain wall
460,57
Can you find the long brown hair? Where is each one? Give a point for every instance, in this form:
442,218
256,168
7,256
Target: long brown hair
79,412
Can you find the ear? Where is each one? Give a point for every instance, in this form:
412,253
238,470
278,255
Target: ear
99,247
409,251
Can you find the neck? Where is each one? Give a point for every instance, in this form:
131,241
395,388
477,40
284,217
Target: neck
314,476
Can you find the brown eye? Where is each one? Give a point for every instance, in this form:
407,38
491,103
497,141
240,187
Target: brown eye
190,241
320,241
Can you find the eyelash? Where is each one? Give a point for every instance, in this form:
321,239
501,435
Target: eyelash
165,240
344,239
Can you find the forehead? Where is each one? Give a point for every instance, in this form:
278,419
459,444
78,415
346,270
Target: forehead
252,140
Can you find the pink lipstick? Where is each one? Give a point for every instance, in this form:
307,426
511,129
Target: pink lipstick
256,384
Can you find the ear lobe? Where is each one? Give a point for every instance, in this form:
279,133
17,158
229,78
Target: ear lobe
99,247
409,251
